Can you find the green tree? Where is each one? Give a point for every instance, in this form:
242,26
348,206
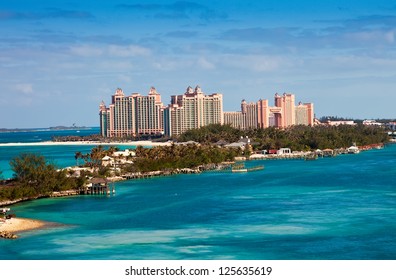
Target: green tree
77,156
32,171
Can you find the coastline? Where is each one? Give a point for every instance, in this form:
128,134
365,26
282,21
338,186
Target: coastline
89,143
17,225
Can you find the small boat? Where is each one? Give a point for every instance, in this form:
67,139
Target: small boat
353,150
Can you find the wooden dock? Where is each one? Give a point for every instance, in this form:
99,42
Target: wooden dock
240,168
99,186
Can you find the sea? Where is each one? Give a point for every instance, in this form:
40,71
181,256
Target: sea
341,208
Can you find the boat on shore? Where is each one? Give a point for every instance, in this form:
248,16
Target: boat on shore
353,150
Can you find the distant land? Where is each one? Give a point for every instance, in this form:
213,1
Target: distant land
60,127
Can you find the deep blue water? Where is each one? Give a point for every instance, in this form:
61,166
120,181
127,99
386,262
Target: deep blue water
43,134
332,208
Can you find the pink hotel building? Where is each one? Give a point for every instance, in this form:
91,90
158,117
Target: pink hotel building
146,115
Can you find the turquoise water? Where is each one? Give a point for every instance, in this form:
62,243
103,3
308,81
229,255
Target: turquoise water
61,156
332,208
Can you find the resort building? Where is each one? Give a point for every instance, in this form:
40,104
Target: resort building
337,123
260,115
304,114
248,117
235,119
149,113
193,109
132,115
135,114
286,116
372,123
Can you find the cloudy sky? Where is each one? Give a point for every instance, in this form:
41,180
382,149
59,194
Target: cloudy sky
59,59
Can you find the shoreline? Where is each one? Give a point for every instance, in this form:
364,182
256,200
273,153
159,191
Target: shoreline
88,143
18,225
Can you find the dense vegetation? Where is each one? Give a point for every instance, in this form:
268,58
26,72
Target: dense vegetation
298,138
35,177
179,156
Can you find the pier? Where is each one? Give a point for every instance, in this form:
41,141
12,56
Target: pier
99,186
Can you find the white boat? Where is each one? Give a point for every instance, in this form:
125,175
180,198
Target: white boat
5,210
353,150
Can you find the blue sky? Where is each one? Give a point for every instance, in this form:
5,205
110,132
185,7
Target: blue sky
60,59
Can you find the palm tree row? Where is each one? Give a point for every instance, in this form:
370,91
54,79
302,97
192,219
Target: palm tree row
296,137
94,158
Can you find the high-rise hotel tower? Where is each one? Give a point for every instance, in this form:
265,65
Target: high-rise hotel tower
259,115
193,109
135,114
132,115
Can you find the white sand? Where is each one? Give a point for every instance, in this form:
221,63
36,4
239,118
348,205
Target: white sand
21,224
78,143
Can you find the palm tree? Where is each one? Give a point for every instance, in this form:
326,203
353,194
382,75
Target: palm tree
77,156
97,153
140,151
111,150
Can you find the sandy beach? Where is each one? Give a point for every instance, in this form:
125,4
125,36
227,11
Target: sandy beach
78,143
15,225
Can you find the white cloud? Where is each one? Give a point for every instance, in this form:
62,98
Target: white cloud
124,78
110,50
205,64
86,50
127,51
255,63
374,36
390,36
24,88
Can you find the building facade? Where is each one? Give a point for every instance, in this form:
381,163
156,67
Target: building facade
235,119
135,114
191,110
132,115
304,114
287,115
261,115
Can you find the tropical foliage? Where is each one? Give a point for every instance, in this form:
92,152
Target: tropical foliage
212,133
179,156
94,158
298,138
34,177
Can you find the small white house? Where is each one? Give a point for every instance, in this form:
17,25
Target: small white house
284,151
107,161
236,145
126,153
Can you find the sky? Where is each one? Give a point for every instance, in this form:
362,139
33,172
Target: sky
60,59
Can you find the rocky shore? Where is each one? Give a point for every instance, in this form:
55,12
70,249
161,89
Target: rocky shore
198,170
8,235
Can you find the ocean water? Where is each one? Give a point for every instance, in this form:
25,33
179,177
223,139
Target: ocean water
61,156
43,134
332,208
